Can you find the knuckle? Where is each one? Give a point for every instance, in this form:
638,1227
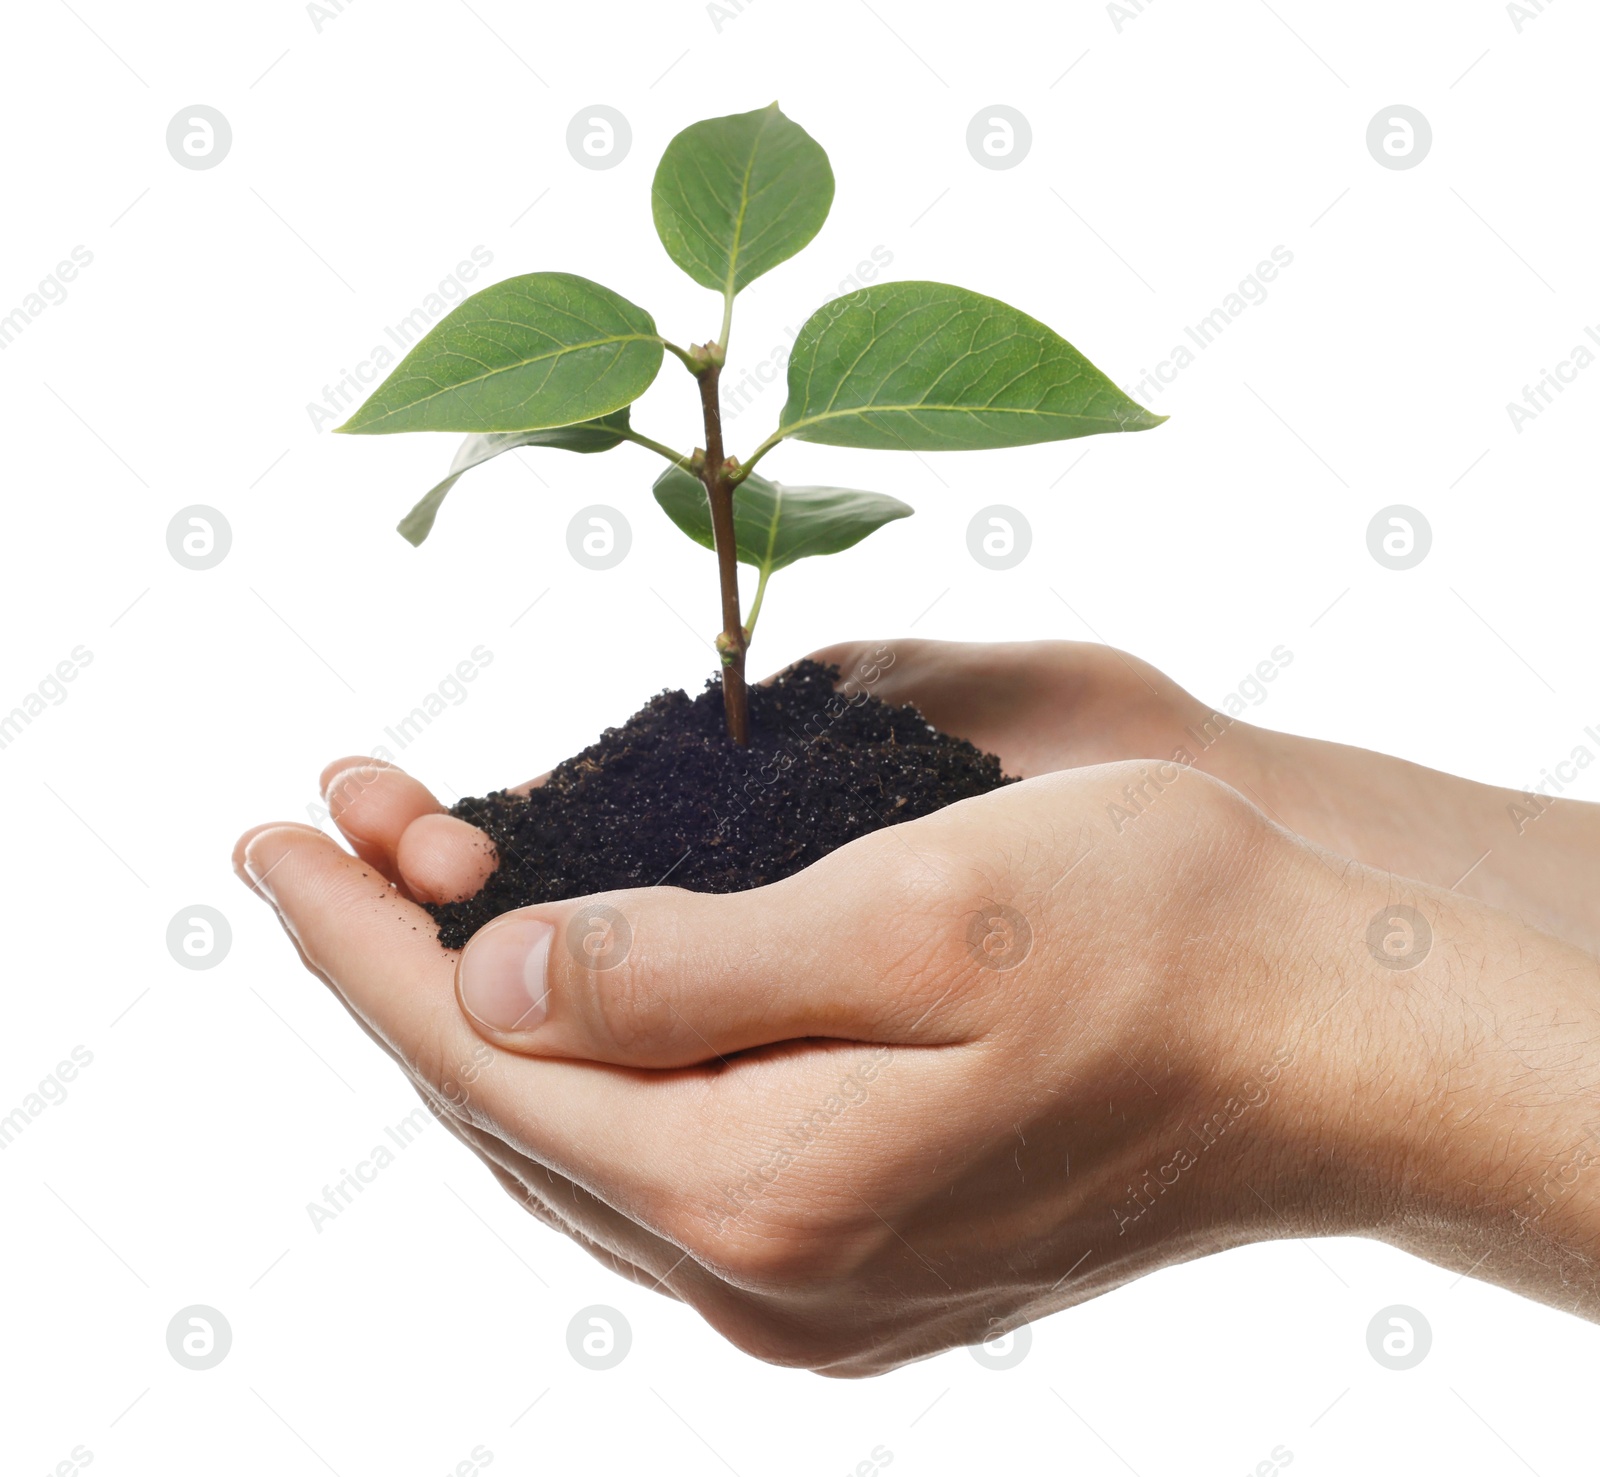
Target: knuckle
620,997
906,937
786,1262
430,1063
803,1233
933,970
763,1242
762,1258
444,1074
1209,826
627,1007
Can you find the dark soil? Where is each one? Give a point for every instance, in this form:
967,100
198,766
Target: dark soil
667,798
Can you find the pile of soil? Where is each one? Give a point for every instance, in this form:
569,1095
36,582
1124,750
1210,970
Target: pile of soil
666,798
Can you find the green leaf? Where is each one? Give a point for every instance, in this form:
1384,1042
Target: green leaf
547,349
774,525
735,196
919,366
586,436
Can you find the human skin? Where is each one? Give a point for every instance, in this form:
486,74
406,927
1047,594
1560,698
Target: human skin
819,1112
1048,705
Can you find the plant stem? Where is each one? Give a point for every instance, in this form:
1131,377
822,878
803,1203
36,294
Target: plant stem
757,454
766,566
719,493
755,605
677,458
683,354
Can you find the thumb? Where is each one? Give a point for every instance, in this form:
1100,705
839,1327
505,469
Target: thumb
659,977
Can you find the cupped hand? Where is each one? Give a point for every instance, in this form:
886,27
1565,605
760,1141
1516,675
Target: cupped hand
1045,706
940,1083
1048,705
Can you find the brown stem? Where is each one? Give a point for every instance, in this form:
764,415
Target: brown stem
719,493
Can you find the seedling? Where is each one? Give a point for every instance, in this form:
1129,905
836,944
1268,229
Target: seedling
552,359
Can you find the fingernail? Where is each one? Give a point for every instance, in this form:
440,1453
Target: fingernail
501,980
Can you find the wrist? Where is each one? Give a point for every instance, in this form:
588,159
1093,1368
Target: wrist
1318,1157
1506,1139
1527,853
1254,1100
1443,1092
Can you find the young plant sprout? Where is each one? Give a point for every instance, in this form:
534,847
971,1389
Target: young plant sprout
552,359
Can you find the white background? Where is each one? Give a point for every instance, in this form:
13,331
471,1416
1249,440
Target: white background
368,158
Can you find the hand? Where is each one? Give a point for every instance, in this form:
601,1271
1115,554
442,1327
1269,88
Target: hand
1048,705
864,1114
1045,706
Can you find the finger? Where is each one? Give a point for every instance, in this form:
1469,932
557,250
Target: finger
441,859
884,667
662,978
623,1245
619,1135
609,1236
331,772
372,804
242,845
1039,706
988,694
953,683
686,1155
314,885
